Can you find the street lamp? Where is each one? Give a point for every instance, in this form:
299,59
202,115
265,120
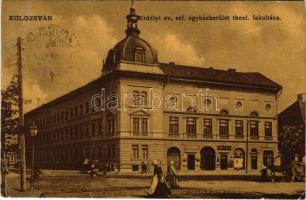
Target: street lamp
33,132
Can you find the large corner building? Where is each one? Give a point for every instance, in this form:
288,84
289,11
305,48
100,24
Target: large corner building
233,127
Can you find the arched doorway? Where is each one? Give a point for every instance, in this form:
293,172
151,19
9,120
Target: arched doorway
173,154
208,158
239,159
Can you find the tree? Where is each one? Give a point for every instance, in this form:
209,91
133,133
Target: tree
291,142
9,109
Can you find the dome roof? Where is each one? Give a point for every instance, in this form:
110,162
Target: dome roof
128,47
132,48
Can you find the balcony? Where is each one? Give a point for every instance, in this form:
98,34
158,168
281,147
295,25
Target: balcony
191,135
224,136
173,135
254,137
239,136
208,135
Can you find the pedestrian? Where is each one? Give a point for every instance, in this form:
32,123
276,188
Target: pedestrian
116,170
172,176
142,167
159,187
85,165
145,168
148,167
107,167
93,170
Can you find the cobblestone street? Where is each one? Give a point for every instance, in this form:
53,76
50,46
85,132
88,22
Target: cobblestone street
137,187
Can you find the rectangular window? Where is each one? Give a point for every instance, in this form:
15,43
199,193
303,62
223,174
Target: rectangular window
135,151
144,126
113,151
268,130
87,108
93,129
254,129
268,156
191,127
145,151
111,126
173,125
100,128
109,151
223,127
135,126
71,113
87,130
239,128
207,127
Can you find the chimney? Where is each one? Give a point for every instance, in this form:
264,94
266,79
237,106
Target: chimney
302,97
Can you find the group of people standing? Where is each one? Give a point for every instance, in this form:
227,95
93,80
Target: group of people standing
160,186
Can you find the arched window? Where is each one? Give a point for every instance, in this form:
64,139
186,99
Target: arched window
135,97
191,110
254,114
140,54
223,112
144,98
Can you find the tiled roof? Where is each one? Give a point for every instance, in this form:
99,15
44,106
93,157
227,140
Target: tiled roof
218,76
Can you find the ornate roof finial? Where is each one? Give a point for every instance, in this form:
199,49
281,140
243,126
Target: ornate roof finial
132,20
132,4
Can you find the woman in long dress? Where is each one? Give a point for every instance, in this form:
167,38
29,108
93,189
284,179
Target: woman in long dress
159,187
172,176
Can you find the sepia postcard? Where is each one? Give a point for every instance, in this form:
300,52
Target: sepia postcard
153,99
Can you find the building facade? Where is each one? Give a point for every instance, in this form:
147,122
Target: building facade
141,110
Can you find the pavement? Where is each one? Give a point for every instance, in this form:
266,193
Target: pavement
73,184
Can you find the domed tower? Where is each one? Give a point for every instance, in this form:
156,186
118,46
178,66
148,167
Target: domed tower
132,49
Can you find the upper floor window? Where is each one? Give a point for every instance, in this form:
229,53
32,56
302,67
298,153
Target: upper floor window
254,114
254,129
208,127
145,151
191,126
140,98
173,125
81,109
268,130
135,150
140,54
140,125
111,126
144,126
239,128
223,127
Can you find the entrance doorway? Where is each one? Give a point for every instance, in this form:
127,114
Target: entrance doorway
208,158
173,154
191,162
223,161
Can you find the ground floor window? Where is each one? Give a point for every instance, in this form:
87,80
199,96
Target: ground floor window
268,157
254,159
135,167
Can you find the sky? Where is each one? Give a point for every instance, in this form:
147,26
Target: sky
86,30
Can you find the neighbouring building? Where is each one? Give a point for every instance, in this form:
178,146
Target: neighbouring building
202,118
294,116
